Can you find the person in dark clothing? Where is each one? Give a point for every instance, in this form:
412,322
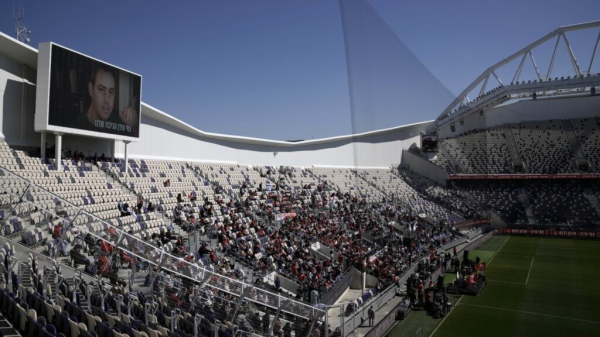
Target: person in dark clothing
140,204
287,330
371,316
277,284
265,322
77,257
255,321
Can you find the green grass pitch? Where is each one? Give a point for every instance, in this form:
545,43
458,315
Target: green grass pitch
536,287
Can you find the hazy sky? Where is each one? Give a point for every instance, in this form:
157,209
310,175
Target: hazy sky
277,68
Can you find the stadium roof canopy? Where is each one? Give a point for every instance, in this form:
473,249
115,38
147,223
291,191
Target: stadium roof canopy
577,82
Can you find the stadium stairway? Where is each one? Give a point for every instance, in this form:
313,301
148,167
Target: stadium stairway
591,197
526,202
454,165
575,145
249,272
166,220
512,148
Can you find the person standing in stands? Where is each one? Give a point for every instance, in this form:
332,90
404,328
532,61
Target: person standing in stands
371,316
265,322
140,204
277,284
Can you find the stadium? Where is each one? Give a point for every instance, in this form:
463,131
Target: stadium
119,219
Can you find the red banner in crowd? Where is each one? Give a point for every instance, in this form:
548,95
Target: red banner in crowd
473,222
548,232
523,176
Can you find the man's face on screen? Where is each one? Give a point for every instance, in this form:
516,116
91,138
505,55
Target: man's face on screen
103,94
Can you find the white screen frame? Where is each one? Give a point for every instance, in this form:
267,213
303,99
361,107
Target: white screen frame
42,100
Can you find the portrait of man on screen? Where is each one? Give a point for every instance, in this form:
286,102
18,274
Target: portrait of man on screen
103,93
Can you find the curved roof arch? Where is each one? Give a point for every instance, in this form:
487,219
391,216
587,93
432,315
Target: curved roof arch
462,103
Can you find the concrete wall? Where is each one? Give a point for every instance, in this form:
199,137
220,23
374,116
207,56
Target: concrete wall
418,164
17,107
528,110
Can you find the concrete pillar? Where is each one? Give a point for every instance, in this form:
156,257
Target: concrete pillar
58,150
114,149
126,161
43,146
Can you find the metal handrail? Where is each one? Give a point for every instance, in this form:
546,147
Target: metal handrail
291,306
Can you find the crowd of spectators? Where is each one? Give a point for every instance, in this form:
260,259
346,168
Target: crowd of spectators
280,233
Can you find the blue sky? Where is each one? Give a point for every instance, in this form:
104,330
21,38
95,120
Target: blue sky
277,68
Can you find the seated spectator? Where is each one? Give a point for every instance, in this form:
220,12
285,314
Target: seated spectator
121,208
57,232
60,210
126,209
77,257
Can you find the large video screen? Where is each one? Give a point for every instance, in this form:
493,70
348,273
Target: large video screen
86,94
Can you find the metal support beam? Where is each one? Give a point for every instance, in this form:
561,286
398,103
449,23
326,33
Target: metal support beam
572,56
312,326
276,315
518,73
594,53
131,278
204,278
555,34
131,299
76,284
157,270
146,312
59,282
537,72
19,201
196,322
89,290
217,326
119,301
69,223
553,59
43,146
484,85
46,279
58,151
126,162
11,264
243,295
175,315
